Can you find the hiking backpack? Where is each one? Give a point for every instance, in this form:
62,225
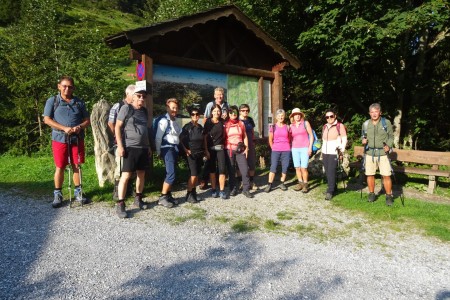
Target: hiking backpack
366,124
154,130
317,143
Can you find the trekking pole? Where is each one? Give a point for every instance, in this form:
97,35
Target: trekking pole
69,167
79,170
362,169
393,175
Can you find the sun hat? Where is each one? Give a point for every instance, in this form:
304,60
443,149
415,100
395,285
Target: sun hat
296,111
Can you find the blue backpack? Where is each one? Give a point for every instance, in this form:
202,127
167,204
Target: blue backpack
154,130
317,144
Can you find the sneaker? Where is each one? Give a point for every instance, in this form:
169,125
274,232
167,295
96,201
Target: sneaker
328,196
372,197
298,187
247,194
268,188
164,201
214,193
194,194
305,187
223,195
120,210
57,200
191,198
139,203
172,199
234,192
389,200
283,187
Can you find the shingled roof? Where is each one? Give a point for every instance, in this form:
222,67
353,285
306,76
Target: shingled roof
223,35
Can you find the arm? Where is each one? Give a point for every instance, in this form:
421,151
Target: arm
160,129
118,134
343,135
311,137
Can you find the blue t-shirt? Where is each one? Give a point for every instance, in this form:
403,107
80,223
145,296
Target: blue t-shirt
67,114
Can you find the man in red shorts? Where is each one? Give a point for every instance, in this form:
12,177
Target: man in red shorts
68,117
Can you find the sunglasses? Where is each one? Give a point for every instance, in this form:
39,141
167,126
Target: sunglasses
195,114
233,112
244,110
329,117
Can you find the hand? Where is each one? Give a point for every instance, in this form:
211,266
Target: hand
68,130
76,129
121,151
386,148
188,152
364,140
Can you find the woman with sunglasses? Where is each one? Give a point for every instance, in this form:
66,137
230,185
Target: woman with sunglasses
334,138
192,142
302,140
236,147
280,143
214,141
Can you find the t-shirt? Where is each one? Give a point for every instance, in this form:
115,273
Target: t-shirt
249,126
192,137
69,114
215,132
281,137
300,138
135,131
209,106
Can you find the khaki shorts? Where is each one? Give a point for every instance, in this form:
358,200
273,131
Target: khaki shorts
381,163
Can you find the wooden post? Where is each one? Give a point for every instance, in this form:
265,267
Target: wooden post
148,63
432,180
261,106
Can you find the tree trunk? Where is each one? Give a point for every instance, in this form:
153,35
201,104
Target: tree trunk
105,163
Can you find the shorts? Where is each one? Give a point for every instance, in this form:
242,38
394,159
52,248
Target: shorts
60,154
284,157
135,159
195,165
380,162
300,157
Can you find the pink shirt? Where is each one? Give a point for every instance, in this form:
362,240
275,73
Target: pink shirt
281,138
299,135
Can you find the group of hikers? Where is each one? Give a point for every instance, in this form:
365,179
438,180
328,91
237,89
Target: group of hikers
223,147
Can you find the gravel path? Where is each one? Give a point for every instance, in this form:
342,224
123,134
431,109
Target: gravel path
190,252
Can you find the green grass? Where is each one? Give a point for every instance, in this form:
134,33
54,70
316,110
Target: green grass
272,225
285,215
197,214
34,175
433,218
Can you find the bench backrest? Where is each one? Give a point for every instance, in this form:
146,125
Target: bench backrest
413,156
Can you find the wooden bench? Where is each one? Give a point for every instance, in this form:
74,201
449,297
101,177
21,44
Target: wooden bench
400,157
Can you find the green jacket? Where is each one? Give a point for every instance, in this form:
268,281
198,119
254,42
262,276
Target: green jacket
376,136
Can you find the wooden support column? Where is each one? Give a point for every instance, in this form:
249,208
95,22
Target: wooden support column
261,106
277,92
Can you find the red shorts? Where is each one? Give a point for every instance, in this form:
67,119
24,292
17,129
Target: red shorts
60,153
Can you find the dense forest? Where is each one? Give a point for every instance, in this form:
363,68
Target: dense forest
353,53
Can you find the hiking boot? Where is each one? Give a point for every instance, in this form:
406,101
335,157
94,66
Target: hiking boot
305,187
120,210
328,196
298,187
115,195
234,192
268,188
372,197
283,187
138,203
389,200
78,193
214,193
164,201
194,194
57,200
191,199
247,194
241,186
172,199
223,195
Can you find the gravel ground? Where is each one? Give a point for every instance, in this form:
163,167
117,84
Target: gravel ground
190,252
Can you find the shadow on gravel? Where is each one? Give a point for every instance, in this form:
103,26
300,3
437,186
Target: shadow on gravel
238,259
443,295
25,228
